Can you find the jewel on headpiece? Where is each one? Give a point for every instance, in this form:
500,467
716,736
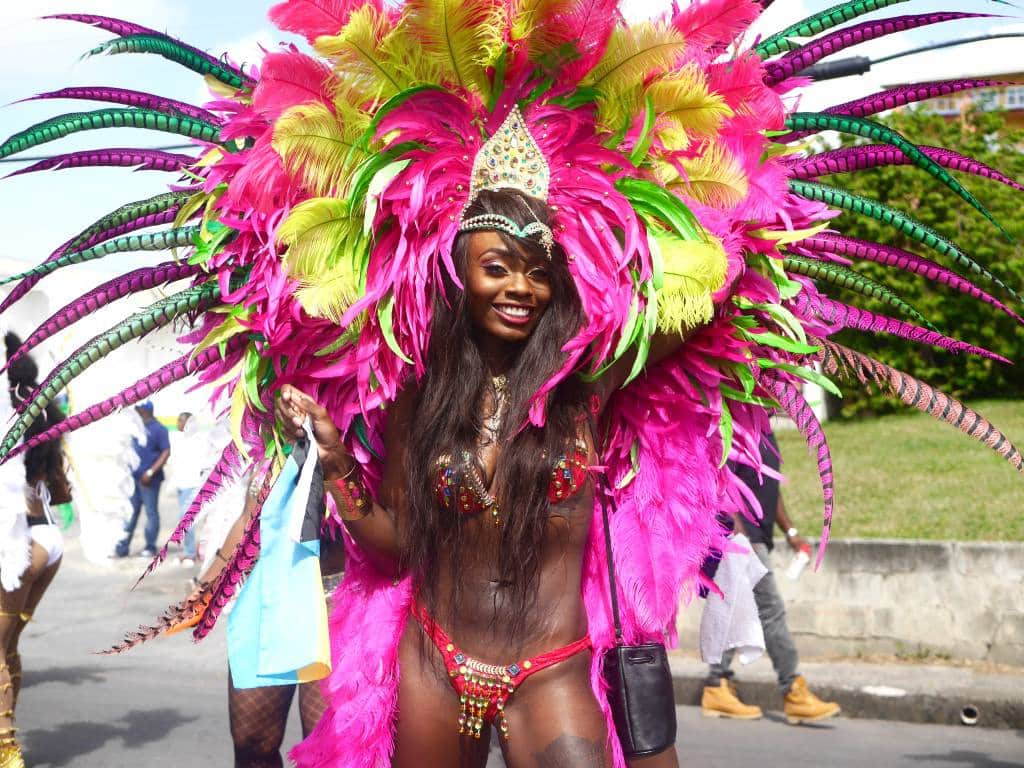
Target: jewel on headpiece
511,159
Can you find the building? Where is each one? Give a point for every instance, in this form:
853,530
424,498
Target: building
1006,97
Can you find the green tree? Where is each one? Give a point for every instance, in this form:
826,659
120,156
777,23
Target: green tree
983,136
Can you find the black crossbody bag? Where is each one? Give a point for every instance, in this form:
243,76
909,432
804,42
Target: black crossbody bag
639,680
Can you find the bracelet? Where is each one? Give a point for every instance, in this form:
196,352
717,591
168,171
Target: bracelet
221,557
355,499
791,532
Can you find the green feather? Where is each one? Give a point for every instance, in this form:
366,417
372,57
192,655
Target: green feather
363,435
174,51
129,212
150,241
725,429
650,199
75,122
804,372
134,327
818,23
915,230
643,142
745,397
385,316
869,129
843,277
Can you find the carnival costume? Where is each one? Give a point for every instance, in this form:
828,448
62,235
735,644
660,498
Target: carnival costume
319,215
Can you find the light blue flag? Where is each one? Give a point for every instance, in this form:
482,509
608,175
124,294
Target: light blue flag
277,630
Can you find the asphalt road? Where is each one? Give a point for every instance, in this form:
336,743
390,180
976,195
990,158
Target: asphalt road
164,704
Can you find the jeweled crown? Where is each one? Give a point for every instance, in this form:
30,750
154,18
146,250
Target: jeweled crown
512,159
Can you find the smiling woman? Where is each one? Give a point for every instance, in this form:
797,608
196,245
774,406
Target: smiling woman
520,264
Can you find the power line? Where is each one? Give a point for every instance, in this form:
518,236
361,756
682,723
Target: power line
858,65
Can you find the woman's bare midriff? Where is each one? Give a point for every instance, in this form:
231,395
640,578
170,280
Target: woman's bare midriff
556,616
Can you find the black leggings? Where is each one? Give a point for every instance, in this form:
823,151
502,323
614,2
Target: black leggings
259,716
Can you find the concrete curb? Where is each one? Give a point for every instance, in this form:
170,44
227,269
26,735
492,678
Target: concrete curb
917,694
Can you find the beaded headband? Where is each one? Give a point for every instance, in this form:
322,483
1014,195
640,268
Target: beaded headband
504,224
510,159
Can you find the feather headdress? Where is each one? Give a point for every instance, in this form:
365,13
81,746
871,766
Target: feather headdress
320,209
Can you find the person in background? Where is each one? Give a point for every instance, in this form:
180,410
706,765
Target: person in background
187,474
31,544
153,452
720,698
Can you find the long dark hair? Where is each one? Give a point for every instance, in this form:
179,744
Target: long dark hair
448,420
46,461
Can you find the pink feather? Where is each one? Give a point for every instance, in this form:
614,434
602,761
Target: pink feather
314,18
708,26
289,78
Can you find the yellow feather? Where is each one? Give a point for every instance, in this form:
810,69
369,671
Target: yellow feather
325,253
462,37
633,55
693,271
317,145
714,178
359,60
405,54
525,17
329,297
686,108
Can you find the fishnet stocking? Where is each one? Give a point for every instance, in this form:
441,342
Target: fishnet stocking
311,706
258,718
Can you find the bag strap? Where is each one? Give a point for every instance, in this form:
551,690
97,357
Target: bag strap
613,589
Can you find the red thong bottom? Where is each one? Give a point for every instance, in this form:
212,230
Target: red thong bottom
484,689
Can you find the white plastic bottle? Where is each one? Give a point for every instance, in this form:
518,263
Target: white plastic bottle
799,562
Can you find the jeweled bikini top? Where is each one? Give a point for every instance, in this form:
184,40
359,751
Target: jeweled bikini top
470,497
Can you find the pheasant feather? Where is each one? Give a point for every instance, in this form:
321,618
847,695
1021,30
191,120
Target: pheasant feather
106,23
818,23
128,98
837,313
130,217
176,370
134,327
238,567
852,159
177,615
908,94
868,129
110,291
148,241
178,52
840,276
915,230
828,242
76,122
807,55
841,361
800,411
139,159
224,472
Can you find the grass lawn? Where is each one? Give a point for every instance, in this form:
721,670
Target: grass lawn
910,476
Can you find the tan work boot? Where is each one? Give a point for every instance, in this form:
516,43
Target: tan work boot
802,706
722,701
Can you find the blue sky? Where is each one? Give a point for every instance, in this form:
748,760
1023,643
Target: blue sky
39,211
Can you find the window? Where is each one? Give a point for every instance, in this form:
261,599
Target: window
1015,97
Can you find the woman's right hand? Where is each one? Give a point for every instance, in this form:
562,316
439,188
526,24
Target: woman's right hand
292,408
